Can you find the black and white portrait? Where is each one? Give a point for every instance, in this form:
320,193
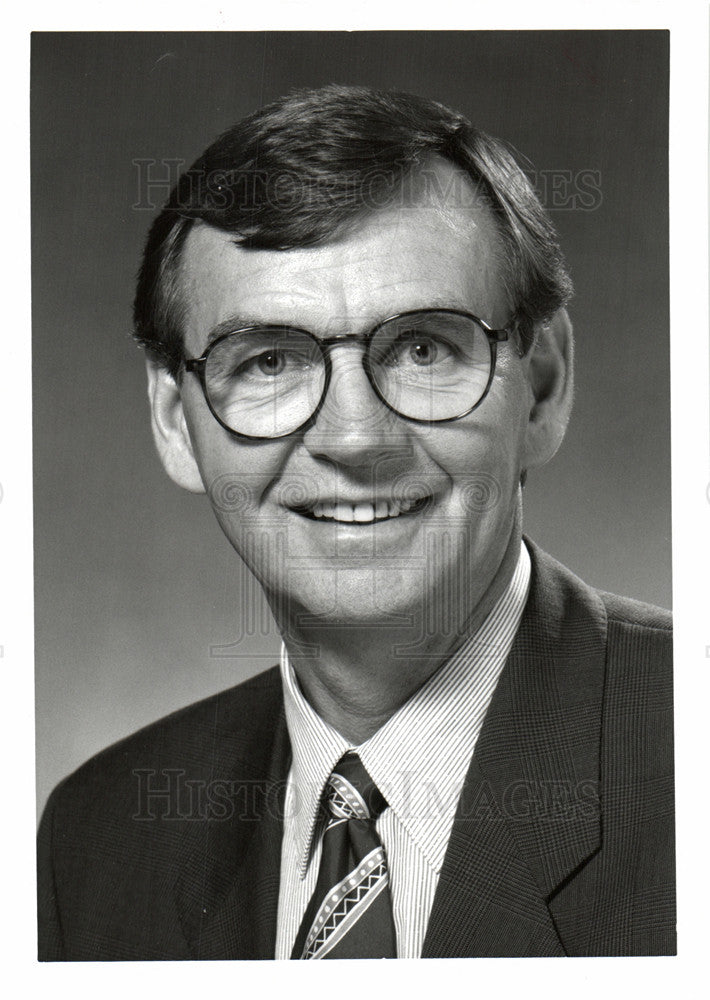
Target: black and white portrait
352,494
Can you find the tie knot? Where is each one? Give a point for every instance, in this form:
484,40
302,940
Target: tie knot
351,793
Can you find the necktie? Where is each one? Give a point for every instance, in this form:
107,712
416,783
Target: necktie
350,912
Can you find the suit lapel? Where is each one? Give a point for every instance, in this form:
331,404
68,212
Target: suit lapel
227,895
528,818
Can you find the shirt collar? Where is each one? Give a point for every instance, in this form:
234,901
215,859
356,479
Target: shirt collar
420,756
316,748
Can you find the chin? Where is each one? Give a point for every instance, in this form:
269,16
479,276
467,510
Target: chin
360,598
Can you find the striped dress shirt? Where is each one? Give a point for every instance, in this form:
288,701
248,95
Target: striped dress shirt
418,759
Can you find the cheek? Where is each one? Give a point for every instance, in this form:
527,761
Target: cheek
236,475
484,451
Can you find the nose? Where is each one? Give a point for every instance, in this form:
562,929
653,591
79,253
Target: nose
353,426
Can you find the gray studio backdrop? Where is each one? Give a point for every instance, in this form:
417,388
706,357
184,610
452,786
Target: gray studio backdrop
141,607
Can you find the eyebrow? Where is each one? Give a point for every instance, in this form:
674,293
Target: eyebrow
234,323
241,321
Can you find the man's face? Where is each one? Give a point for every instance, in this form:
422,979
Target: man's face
431,561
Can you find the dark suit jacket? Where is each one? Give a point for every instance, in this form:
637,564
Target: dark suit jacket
167,845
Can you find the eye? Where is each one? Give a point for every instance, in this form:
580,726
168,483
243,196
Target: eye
414,348
423,352
274,363
271,362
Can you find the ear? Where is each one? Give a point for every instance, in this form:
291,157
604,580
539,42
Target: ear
170,433
550,375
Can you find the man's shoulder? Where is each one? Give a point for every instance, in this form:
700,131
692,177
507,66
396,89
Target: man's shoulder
119,834
558,583
630,641
221,729
627,611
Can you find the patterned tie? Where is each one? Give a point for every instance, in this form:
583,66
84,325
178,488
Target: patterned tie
350,912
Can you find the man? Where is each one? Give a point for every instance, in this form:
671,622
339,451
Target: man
353,307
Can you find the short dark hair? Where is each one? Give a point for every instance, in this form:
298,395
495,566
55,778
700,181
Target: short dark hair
300,171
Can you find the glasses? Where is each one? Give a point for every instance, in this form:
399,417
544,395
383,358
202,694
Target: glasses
428,366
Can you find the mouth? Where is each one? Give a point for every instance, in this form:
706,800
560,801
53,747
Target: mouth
362,512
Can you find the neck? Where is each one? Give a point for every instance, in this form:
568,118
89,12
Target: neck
357,676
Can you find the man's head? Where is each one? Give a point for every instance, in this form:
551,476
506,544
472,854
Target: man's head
303,170
329,212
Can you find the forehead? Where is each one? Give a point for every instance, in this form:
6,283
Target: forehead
436,245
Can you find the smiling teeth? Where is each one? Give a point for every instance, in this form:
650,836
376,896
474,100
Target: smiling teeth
362,513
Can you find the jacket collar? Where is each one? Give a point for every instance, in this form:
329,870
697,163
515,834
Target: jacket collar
529,815
227,895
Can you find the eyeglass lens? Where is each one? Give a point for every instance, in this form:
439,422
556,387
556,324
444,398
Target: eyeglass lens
425,366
